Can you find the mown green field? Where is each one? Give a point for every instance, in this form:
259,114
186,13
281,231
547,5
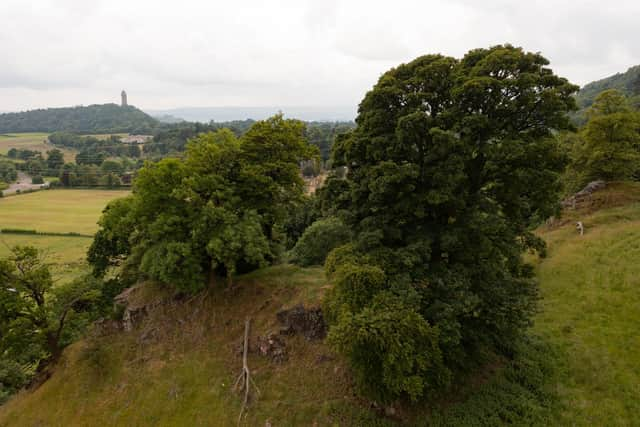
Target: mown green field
59,211
35,141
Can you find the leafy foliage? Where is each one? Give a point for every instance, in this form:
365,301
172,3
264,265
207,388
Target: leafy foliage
37,320
608,147
301,215
8,172
218,211
392,349
522,394
323,135
451,163
318,240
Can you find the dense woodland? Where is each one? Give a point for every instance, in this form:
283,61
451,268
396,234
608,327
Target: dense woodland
431,203
628,83
105,118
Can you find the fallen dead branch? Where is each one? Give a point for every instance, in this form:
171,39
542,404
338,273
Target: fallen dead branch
244,381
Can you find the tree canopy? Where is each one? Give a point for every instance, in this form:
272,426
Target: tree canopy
451,163
608,146
36,319
217,210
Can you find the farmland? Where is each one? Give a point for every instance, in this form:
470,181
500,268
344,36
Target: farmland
31,141
55,211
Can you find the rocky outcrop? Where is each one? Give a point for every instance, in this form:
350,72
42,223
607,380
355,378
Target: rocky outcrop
583,197
299,320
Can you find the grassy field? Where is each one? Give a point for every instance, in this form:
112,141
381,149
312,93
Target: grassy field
31,141
591,310
57,211
65,254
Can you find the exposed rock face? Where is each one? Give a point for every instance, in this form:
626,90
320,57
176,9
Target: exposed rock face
583,196
308,322
134,311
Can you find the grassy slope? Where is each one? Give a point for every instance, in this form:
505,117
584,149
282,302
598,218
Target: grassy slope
184,373
35,141
56,210
591,310
183,370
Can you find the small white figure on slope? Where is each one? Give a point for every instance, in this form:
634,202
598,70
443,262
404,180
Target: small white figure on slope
580,227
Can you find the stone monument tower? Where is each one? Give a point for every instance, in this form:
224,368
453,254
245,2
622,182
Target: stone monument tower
123,95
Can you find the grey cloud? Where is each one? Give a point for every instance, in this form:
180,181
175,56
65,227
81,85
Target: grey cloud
282,52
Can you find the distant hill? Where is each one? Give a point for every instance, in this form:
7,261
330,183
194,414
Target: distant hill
225,114
104,118
627,83
168,118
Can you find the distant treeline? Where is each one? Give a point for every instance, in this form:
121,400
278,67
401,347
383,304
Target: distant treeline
42,233
106,118
174,138
93,150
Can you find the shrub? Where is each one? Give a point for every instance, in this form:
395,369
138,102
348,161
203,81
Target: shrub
391,348
12,378
354,288
522,393
37,179
338,256
318,240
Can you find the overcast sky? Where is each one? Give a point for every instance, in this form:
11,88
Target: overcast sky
276,53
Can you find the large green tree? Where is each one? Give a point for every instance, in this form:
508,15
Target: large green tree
608,147
217,211
451,163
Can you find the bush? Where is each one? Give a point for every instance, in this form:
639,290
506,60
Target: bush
354,288
522,393
340,255
37,179
318,240
392,349
12,378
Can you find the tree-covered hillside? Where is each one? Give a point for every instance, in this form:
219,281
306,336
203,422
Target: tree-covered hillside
105,118
628,83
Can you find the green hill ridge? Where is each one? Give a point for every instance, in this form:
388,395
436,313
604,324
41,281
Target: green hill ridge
102,118
628,83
